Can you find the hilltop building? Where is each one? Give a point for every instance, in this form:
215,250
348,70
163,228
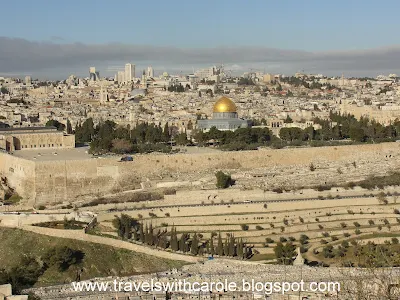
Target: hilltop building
12,139
225,117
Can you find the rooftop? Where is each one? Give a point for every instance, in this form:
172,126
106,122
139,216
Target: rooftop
80,153
27,129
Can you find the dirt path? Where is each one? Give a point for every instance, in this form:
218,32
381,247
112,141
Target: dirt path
81,236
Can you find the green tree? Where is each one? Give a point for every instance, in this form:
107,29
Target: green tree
223,180
285,253
220,246
63,257
212,250
194,248
181,139
240,249
174,240
3,90
55,123
69,127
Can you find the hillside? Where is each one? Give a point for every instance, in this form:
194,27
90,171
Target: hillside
99,260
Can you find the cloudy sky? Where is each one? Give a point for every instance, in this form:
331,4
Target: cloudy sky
52,39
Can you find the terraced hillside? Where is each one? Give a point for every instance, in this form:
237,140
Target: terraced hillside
263,219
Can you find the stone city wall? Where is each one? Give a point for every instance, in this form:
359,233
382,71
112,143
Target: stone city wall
44,182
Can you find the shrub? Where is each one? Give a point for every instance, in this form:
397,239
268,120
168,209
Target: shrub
258,227
346,234
345,244
343,225
312,167
356,224
269,240
325,234
244,227
170,191
278,190
63,257
223,180
282,239
41,207
357,231
304,239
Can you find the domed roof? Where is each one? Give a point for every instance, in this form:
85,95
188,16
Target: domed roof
224,104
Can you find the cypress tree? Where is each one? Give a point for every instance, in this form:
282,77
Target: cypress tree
231,248
194,249
69,127
240,249
220,246
166,134
212,250
135,234
151,235
146,234
226,247
182,243
141,233
174,240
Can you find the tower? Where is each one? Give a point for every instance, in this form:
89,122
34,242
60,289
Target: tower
150,71
28,80
121,76
129,72
103,95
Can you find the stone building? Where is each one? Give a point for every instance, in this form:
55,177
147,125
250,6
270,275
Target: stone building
6,293
225,117
25,138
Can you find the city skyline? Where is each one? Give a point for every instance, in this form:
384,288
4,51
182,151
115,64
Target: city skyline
332,38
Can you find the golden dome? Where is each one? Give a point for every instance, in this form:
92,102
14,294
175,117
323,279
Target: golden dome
224,104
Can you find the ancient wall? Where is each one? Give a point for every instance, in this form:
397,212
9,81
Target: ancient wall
70,180
19,174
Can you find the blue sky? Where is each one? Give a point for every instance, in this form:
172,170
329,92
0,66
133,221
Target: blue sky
312,25
56,37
